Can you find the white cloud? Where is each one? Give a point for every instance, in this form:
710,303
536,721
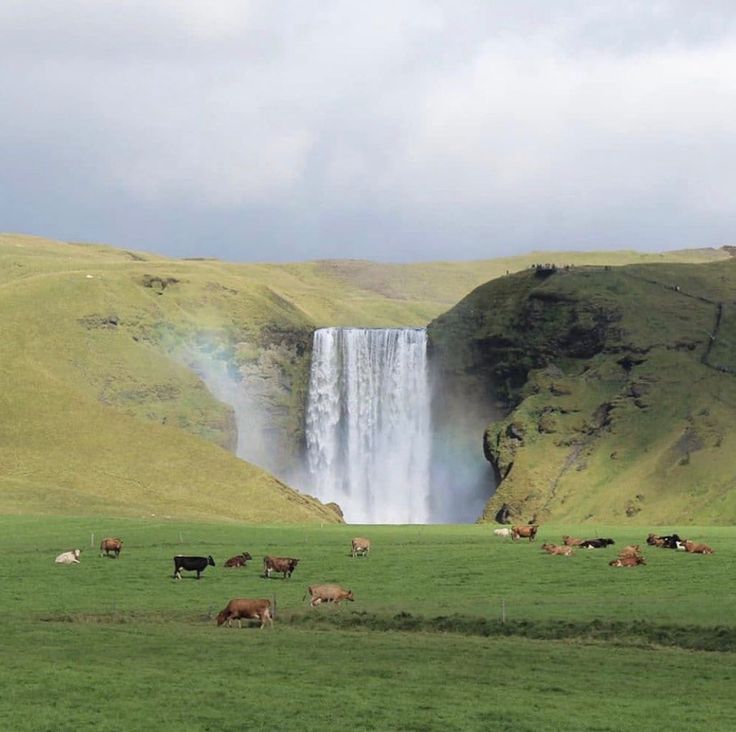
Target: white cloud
581,116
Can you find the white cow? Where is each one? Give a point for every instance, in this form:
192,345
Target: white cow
71,557
502,532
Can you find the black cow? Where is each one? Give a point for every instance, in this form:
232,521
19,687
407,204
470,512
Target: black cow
191,564
503,514
669,541
672,541
596,543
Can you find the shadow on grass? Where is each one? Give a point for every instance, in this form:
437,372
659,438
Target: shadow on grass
631,633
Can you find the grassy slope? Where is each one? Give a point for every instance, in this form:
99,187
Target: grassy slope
97,416
614,416
126,627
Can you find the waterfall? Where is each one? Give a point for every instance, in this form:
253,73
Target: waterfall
368,423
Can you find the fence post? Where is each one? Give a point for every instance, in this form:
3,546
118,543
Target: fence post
503,610
92,540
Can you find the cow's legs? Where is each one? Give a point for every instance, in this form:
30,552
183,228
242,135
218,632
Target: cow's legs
198,573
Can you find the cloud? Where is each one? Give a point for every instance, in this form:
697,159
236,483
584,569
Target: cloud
404,131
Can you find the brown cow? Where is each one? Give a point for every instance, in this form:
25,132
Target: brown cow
110,545
630,551
571,541
565,551
279,564
241,608
328,593
360,546
629,561
694,548
529,532
654,540
239,560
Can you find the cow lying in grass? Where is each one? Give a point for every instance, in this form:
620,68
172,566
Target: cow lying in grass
526,532
71,557
243,609
630,551
565,551
505,532
239,560
669,541
571,541
328,593
596,543
627,561
693,548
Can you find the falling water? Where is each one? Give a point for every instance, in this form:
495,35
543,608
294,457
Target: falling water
368,423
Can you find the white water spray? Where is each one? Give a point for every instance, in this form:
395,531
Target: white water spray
368,423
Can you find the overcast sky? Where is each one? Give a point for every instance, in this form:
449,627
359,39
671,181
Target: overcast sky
393,130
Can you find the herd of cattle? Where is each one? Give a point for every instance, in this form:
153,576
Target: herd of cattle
261,609
629,556
241,608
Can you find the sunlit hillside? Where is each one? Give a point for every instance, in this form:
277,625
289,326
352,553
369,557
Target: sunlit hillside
99,411
614,390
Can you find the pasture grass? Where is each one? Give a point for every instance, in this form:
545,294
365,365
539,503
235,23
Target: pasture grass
119,644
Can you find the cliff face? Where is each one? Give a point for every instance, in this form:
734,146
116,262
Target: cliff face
610,392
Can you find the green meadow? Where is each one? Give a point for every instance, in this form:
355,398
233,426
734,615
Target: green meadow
452,629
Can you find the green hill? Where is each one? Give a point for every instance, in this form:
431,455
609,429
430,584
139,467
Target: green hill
100,410
612,390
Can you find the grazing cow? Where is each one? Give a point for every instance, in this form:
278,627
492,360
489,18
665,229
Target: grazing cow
529,532
328,593
360,546
108,546
241,608
502,532
571,541
286,565
71,557
596,543
630,561
191,564
239,560
694,548
565,551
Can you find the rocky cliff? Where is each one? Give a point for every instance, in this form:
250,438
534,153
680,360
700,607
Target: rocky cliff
610,393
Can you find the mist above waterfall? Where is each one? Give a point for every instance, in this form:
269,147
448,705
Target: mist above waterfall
369,425
242,395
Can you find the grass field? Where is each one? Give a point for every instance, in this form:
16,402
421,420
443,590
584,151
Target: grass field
119,645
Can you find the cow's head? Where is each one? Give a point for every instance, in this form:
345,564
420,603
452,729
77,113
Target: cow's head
349,596
210,561
246,556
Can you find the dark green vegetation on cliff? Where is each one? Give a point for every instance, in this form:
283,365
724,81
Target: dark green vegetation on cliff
119,645
614,389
